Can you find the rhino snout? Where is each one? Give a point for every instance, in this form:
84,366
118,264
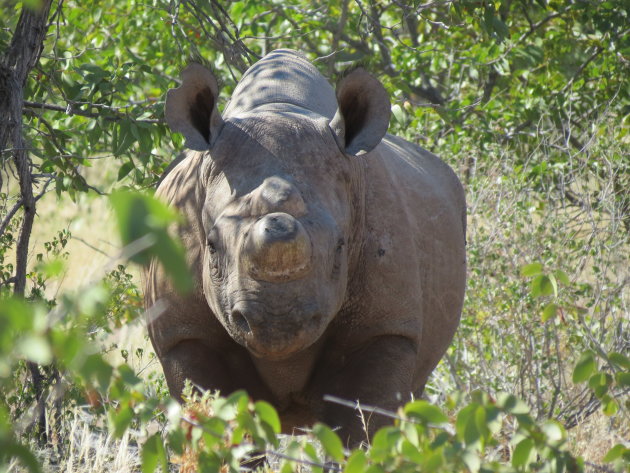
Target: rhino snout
271,335
278,249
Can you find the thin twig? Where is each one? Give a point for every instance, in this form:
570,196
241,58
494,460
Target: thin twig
365,407
327,466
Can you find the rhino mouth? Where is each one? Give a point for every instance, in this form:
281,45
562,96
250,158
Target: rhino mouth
272,336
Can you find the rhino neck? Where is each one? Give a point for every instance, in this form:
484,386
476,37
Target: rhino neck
283,77
357,199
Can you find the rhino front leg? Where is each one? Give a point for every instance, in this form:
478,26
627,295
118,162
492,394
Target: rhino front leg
378,374
226,370
193,360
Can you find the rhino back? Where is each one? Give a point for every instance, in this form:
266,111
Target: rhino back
283,77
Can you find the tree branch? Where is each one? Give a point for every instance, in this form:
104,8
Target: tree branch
343,19
70,110
9,216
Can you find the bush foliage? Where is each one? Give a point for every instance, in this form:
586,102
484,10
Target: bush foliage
527,100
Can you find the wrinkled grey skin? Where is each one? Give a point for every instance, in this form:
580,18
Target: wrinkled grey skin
329,257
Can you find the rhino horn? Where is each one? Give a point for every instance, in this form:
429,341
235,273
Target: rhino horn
362,117
191,108
278,249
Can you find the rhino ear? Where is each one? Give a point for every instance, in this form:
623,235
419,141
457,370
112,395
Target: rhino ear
191,109
363,115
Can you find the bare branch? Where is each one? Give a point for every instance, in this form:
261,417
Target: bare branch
18,205
326,467
9,216
374,18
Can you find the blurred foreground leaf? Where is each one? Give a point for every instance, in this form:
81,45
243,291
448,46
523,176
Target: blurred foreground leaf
143,220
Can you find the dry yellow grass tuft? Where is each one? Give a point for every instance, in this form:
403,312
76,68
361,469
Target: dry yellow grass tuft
596,435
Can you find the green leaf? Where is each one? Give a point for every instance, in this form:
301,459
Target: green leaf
176,441
154,454
268,414
466,425
330,441
620,360
356,462
35,348
532,269
543,285
511,404
549,312
125,137
554,284
584,367
599,383
399,114
22,452
554,431
623,379
614,453
471,460
435,460
311,452
128,375
410,432
610,406
383,442
144,220
425,411
52,268
481,422
562,277
125,169
95,367
120,420
522,453
374,469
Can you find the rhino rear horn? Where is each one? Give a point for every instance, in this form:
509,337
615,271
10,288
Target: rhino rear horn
191,108
363,115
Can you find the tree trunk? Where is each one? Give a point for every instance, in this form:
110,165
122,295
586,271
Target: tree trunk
15,65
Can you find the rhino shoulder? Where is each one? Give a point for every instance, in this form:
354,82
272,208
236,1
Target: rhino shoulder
429,167
180,181
181,188
424,174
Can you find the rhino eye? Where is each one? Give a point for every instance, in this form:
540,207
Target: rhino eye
210,243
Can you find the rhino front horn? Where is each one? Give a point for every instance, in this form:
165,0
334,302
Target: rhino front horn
278,249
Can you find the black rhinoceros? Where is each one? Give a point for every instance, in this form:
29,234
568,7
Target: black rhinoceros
328,256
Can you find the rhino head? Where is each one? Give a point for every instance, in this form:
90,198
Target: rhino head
282,194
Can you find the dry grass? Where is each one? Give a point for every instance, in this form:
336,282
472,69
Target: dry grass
592,438
88,448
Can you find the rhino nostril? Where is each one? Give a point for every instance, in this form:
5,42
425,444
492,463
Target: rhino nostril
240,321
